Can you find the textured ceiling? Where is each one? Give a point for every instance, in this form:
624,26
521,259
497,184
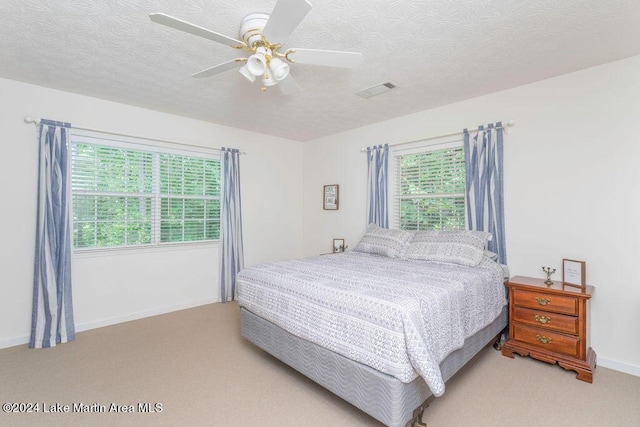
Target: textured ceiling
436,52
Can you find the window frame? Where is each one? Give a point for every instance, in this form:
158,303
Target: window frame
155,147
445,143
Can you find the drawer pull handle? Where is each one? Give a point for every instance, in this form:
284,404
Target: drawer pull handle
543,339
543,319
543,301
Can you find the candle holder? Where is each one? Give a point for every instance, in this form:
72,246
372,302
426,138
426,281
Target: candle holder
549,271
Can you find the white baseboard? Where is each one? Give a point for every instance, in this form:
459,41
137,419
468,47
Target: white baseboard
14,342
115,320
627,368
141,315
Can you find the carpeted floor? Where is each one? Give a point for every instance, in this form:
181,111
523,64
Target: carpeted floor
196,367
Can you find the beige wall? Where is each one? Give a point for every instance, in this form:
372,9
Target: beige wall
118,286
572,186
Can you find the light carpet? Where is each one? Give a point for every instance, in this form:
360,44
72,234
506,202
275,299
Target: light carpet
200,371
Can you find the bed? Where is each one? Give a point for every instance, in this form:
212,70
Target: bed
383,326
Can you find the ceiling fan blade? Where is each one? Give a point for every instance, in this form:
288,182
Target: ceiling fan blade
234,63
178,24
330,58
285,17
288,85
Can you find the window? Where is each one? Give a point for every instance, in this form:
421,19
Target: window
128,195
430,187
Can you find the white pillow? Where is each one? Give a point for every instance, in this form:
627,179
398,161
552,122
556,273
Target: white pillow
455,247
383,241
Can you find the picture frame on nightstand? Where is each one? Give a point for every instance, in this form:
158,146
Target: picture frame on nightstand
338,246
574,272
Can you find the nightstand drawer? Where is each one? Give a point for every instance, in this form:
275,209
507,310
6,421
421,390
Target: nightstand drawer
547,340
546,320
546,302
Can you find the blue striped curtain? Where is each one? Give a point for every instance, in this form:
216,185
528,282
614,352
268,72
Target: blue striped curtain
485,182
52,314
377,184
231,247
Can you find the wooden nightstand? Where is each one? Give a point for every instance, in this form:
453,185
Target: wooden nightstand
549,323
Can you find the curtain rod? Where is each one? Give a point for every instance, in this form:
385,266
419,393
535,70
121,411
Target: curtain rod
36,122
505,125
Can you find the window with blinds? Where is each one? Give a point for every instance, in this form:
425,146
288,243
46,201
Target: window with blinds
129,197
430,188
189,198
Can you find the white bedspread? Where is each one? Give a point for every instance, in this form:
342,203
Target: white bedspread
399,317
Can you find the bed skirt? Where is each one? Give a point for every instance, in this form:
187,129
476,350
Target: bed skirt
382,396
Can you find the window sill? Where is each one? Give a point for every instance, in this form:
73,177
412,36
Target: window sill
133,250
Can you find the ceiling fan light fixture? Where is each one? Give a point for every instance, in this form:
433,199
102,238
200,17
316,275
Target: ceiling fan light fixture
245,72
257,63
279,69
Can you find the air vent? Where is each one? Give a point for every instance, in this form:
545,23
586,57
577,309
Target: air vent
377,89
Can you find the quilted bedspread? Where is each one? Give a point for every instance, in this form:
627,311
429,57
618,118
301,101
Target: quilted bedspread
397,316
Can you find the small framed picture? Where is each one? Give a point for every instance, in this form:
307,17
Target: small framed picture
338,245
330,195
574,272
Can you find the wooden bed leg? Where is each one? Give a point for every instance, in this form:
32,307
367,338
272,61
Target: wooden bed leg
416,421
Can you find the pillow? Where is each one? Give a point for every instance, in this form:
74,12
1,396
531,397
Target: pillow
383,241
455,247
491,255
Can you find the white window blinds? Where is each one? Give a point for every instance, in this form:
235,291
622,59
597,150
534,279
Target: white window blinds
189,198
430,188
125,196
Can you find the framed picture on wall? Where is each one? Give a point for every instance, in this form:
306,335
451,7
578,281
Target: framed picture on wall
574,272
330,197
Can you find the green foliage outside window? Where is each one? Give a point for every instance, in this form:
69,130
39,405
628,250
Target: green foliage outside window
126,197
189,212
431,190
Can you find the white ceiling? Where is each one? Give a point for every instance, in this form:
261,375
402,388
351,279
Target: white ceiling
437,52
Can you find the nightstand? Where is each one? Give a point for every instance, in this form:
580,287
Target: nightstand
550,323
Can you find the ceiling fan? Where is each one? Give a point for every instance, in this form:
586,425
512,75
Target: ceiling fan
263,36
